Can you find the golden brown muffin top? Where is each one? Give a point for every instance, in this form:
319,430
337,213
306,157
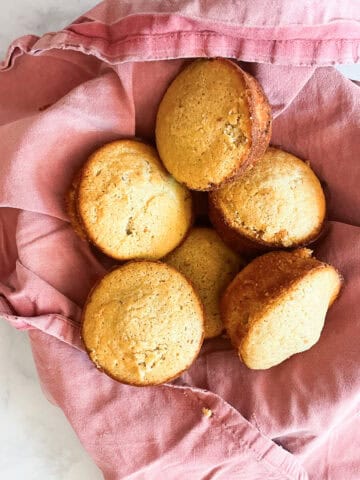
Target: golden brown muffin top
210,265
130,207
204,123
278,201
143,323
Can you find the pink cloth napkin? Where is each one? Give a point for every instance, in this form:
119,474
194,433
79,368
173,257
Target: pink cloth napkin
66,93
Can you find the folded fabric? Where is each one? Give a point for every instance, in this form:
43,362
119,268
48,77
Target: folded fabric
102,78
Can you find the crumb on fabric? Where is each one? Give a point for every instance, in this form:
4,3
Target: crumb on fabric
207,412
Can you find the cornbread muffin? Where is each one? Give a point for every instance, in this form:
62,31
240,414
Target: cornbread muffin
210,265
70,205
129,206
276,306
212,122
143,324
277,203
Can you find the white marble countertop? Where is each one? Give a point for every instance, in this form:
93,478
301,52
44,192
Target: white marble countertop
36,441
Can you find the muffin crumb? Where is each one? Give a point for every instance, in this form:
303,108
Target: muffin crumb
207,412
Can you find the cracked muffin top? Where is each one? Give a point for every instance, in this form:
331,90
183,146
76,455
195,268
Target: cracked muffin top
278,202
213,120
128,204
143,323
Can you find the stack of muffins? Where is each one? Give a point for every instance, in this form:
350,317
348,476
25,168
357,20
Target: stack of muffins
145,321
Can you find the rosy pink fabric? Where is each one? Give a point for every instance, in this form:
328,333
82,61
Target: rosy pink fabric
102,78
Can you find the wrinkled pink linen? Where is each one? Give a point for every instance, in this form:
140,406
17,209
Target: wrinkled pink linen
66,93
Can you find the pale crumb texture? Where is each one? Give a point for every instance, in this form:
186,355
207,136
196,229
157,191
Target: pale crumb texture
207,412
203,127
143,323
70,204
276,306
129,205
210,265
278,200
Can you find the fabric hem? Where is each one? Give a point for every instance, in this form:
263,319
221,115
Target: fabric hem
190,45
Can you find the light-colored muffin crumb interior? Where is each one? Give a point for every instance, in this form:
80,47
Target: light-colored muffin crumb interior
130,206
143,323
259,282
278,200
293,324
203,126
210,265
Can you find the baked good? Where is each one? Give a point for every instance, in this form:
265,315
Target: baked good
278,202
276,306
212,122
70,206
129,206
143,323
210,265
